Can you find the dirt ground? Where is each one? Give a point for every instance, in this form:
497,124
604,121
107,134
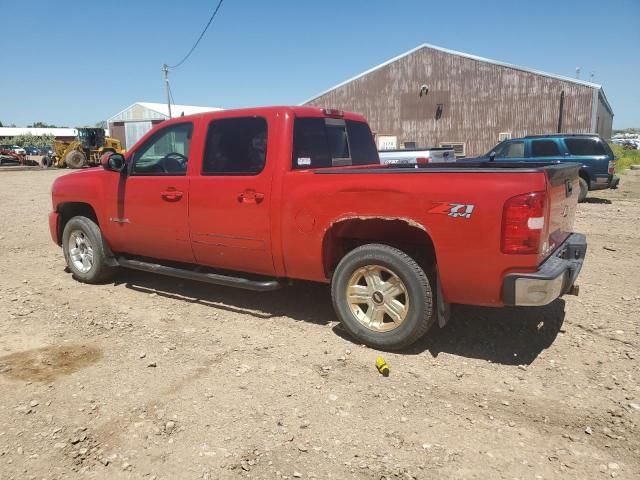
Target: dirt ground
155,378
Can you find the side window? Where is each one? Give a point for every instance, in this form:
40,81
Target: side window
584,146
330,142
165,153
235,146
544,148
510,150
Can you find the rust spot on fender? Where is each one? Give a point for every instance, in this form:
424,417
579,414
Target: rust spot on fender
408,221
47,363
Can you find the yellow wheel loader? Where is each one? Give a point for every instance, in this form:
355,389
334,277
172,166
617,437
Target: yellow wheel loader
86,150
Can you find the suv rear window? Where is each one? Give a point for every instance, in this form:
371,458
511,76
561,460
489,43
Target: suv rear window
584,146
330,142
544,148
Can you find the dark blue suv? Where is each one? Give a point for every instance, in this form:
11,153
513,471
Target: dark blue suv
590,151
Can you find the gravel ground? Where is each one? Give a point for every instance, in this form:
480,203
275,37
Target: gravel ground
156,378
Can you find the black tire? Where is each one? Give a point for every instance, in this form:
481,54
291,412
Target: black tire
100,271
75,159
584,189
419,294
46,161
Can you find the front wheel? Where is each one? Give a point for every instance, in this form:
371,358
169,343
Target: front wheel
84,250
382,297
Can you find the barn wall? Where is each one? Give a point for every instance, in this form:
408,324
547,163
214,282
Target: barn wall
479,100
116,130
604,119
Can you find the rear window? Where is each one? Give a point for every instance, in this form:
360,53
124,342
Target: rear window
544,148
330,142
585,146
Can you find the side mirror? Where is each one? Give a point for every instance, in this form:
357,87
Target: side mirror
492,156
113,162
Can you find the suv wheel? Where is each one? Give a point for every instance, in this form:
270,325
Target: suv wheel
584,189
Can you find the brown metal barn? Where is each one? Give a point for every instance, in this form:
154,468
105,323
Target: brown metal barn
431,96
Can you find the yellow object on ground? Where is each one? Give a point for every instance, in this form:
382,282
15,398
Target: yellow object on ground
382,366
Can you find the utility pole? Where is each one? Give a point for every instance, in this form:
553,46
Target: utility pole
165,71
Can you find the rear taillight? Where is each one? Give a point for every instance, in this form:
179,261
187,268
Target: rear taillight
612,167
523,223
423,160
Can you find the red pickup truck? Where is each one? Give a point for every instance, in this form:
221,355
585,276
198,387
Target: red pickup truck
255,197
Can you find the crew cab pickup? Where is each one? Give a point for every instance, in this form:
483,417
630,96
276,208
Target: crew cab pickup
254,198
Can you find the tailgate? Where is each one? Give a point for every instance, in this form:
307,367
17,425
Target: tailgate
563,189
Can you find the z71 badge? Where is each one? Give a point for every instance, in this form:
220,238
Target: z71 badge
455,210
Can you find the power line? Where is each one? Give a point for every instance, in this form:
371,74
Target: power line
200,37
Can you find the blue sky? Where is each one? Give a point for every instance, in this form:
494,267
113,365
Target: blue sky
75,63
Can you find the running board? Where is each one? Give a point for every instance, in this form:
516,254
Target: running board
214,278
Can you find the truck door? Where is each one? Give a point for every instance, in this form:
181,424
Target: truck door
230,198
148,209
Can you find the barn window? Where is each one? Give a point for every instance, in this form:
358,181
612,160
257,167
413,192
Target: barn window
458,147
502,136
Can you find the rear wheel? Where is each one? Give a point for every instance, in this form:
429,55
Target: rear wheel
382,297
75,159
584,189
84,250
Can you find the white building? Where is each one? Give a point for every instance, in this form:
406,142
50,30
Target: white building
133,122
58,133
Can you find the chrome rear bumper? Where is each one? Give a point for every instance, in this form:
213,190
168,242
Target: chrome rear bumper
555,277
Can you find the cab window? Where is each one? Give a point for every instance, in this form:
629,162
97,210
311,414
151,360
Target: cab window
329,142
165,153
235,146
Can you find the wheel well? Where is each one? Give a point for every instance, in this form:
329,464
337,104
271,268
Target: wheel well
402,234
73,209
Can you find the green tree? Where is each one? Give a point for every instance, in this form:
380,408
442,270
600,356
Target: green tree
29,140
42,125
1,124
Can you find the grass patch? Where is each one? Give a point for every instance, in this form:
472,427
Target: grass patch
625,158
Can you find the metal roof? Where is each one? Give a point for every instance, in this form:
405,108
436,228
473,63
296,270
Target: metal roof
56,132
161,111
465,55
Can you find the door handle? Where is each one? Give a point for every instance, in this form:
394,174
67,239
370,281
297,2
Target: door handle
250,196
171,195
